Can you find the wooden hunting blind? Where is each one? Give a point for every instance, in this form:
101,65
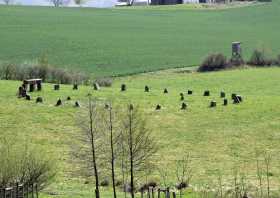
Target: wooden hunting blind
236,49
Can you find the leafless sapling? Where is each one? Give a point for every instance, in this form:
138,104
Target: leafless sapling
139,143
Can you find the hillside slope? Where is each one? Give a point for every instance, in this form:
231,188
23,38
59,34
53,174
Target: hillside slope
216,137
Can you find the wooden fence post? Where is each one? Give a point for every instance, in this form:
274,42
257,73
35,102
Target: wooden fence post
142,193
32,190
159,193
27,191
174,194
4,192
37,194
167,193
153,195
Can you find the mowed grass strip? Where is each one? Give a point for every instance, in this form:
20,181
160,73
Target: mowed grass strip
215,137
110,42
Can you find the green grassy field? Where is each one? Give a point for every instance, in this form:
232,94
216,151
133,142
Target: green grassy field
213,136
123,41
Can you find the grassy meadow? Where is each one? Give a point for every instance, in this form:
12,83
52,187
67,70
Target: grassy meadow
215,137
110,42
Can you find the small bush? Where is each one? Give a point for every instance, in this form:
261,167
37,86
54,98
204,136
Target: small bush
7,72
152,184
104,82
118,183
143,187
259,58
104,183
213,62
42,70
182,185
23,164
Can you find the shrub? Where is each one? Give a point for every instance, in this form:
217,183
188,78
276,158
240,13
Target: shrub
278,60
23,164
259,58
213,62
104,82
152,184
182,185
42,70
104,183
7,71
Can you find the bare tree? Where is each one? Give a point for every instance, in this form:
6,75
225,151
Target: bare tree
139,144
79,2
92,127
267,162
58,3
112,141
7,2
123,162
163,172
259,173
220,192
184,172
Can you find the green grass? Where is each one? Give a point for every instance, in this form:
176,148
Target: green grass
123,41
211,135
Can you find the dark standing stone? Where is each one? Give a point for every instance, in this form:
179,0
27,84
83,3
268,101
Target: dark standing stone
147,89
68,98
165,91
184,106
123,87
28,97
237,99
56,87
77,104
39,100
75,86
58,103
20,91
39,85
96,86
24,92
206,93
190,92
158,107
225,102
107,106
182,97
223,94
31,87
213,104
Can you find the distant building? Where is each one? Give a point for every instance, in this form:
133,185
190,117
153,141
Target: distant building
170,2
166,2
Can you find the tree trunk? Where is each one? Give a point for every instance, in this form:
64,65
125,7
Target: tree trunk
112,152
97,195
131,154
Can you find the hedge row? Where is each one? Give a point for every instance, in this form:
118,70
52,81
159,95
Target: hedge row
219,61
